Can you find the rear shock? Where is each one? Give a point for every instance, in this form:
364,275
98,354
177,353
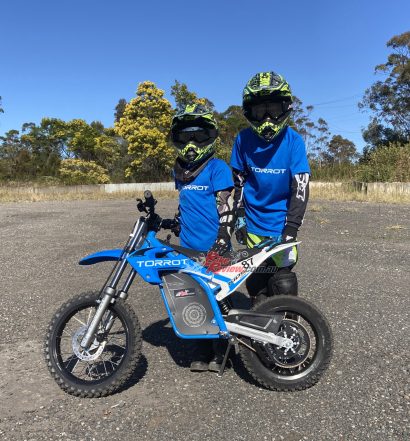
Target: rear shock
225,305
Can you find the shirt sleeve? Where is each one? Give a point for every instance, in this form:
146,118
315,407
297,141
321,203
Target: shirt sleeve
299,162
237,159
221,176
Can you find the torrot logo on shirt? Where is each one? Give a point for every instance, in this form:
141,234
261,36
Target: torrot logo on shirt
273,171
195,187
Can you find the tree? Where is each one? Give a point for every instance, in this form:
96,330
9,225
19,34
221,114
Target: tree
389,99
183,96
145,126
340,150
322,141
120,109
90,142
1,107
230,123
78,172
301,121
15,160
47,144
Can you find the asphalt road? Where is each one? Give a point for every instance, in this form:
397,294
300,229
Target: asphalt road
354,266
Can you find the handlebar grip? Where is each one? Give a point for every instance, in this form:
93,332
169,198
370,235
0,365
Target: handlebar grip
149,199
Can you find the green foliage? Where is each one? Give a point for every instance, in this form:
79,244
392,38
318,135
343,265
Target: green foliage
333,172
47,144
89,142
340,150
230,123
387,164
15,160
120,109
79,172
1,107
389,100
145,126
183,96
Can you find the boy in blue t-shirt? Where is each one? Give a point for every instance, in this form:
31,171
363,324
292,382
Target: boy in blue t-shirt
205,217
271,174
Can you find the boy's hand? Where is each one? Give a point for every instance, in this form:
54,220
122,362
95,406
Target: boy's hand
289,234
221,246
171,224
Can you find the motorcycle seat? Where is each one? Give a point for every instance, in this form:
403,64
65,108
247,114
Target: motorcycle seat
228,259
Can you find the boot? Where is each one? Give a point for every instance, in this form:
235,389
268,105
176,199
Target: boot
202,356
219,348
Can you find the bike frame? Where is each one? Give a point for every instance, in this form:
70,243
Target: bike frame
153,259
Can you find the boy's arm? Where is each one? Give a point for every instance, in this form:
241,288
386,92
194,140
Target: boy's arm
224,205
239,179
297,206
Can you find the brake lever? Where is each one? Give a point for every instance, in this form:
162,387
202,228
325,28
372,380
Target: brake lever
141,206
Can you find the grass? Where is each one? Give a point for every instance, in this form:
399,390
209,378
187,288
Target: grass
324,192
315,208
9,195
321,220
344,193
396,227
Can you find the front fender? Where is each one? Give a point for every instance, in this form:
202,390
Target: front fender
101,256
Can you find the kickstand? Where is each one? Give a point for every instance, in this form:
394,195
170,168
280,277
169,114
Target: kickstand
228,349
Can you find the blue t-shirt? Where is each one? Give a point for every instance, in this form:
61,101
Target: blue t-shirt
197,205
270,168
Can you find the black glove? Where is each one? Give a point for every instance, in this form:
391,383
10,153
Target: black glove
171,224
289,234
240,226
221,245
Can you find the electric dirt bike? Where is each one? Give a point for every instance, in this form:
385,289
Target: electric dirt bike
93,343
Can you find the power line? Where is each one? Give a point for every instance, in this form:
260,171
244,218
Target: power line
338,100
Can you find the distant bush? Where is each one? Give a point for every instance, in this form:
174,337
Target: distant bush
387,164
344,171
78,172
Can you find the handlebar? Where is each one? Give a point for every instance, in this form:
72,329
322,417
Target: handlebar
147,206
149,200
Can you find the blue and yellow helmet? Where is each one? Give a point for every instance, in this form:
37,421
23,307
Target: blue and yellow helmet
194,131
267,104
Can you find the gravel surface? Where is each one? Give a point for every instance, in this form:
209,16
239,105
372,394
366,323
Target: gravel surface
354,266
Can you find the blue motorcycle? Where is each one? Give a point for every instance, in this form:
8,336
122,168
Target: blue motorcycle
93,343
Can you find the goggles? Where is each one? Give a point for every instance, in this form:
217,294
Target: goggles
269,109
200,136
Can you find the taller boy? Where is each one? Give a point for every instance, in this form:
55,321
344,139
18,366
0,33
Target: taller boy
271,175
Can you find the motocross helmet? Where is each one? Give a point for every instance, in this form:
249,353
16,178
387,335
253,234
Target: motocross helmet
267,104
194,131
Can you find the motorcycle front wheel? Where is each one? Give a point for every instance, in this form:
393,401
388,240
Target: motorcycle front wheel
111,359
297,367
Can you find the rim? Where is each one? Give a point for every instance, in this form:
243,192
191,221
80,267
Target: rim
299,361
104,357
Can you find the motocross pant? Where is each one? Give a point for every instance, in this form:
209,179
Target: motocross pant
276,276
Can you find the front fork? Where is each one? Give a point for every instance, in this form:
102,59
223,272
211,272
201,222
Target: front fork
109,292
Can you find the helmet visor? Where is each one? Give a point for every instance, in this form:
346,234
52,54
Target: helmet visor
269,109
200,136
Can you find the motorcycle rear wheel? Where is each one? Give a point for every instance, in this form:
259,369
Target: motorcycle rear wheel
289,370
109,362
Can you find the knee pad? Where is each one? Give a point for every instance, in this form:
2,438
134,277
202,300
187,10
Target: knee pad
257,284
283,282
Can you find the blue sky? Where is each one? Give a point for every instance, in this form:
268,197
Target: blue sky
75,59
